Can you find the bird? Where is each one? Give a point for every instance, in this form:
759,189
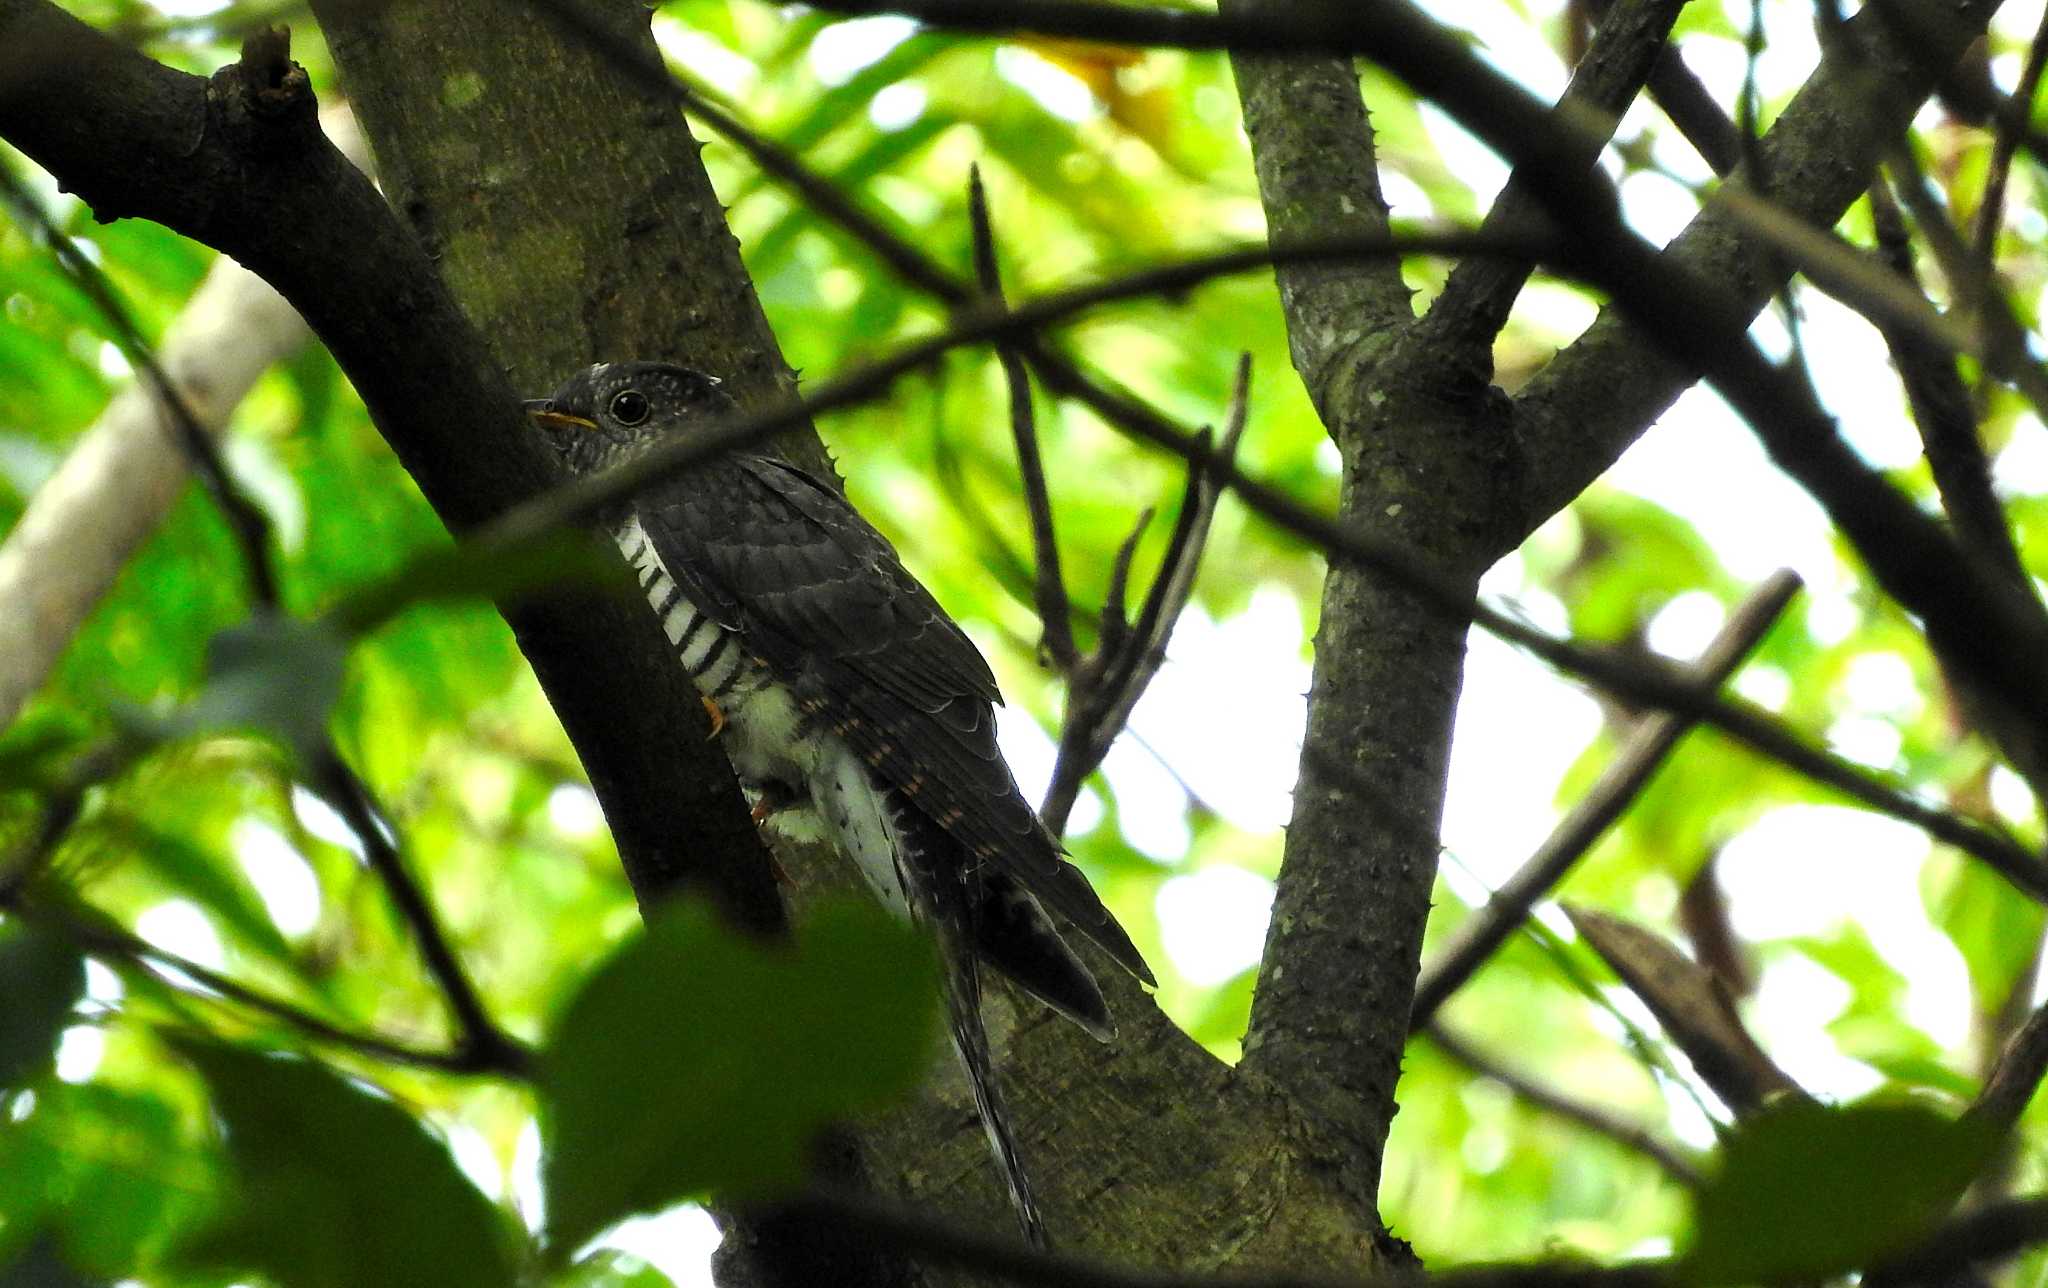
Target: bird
848,700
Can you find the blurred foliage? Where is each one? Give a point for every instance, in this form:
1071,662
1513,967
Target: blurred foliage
151,1132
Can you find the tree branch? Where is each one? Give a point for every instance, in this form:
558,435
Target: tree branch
1653,739
1599,394
1626,48
1989,1234
2016,1076
477,1035
1317,164
248,525
1974,284
1103,689
113,943
1942,411
1594,1118
119,479
1343,539
1050,590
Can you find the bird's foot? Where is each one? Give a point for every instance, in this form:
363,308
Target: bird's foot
717,714
773,798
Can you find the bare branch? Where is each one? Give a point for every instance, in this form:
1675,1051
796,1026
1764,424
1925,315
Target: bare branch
1653,740
1104,688
2017,1075
102,938
1626,47
1703,917
1647,684
2011,129
1588,403
572,501
2006,343
1051,586
1595,1118
478,1036
1175,583
1684,97
1943,412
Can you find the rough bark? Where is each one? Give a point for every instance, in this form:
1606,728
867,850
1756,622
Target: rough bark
1329,1017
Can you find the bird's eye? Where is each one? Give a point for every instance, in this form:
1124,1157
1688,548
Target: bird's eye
629,407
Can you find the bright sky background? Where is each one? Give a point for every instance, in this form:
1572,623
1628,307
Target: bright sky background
1519,727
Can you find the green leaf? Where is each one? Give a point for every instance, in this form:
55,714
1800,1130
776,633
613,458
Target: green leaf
278,675
42,976
697,1062
105,1171
1806,1191
31,745
338,1187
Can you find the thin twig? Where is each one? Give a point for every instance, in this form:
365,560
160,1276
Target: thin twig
1906,552
245,521
1104,688
102,937
2006,342
478,1036
572,501
1176,583
2005,142
113,943
1596,1118
2017,1075
1943,412
1683,96
1050,586
1648,746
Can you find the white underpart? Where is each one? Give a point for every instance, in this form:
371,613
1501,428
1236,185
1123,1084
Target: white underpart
762,734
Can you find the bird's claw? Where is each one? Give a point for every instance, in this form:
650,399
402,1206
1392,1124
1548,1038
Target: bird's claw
717,714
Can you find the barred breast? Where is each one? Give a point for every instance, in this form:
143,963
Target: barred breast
766,737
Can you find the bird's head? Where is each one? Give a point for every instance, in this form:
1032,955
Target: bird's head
612,410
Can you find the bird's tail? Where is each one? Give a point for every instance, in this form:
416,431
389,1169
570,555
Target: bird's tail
963,1003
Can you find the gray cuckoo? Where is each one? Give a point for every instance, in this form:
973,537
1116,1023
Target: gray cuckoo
844,694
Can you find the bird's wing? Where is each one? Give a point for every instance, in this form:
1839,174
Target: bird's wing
823,599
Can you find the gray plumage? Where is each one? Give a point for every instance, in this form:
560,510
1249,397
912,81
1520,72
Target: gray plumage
845,688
